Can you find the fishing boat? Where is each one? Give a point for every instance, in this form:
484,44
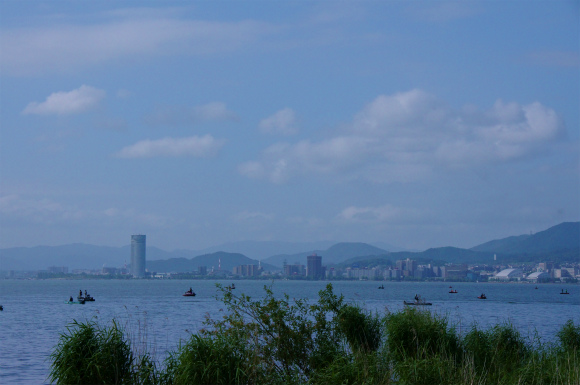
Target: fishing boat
564,292
482,296
418,302
80,302
189,293
382,287
231,287
452,291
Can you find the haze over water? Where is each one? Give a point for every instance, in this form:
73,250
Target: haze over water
35,313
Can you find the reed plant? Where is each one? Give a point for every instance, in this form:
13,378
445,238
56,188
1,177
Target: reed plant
361,329
281,341
212,360
89,354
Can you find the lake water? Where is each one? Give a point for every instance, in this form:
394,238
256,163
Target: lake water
35,312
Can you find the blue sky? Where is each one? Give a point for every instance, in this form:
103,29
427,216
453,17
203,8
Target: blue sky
419,124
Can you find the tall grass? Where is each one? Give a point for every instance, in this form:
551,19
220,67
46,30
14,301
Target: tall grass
279,341
210,360
89,354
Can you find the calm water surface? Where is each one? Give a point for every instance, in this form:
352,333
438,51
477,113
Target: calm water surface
154,311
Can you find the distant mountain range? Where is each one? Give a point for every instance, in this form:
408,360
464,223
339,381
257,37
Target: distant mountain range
220,260
335,254
560,242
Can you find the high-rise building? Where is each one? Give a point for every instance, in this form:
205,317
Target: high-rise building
314,267
138,246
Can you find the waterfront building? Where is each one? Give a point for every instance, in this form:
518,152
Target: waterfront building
246,270
407,267
314,267
138,255
508,274
110,270
294,270
58,269
538,276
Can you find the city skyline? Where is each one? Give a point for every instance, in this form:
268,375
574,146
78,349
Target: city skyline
416,125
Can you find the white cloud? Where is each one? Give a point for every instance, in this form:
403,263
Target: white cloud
44,211
282,122
136,217
62,47
173,115
38,210
194,146
384,213
409,136
76,101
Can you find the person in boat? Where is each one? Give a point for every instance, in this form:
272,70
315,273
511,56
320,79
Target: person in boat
80,293
417,297
190,290
86,295
70,299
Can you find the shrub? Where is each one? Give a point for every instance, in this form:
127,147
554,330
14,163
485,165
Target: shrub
357,369
419,334
569,337
290,339
361,329
89,354
210,360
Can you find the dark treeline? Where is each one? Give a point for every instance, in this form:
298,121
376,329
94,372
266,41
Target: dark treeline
283,341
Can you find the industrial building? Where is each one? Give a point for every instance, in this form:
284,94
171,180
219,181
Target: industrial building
538,276
508,274
138,254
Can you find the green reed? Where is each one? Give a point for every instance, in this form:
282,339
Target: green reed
282,341
89,354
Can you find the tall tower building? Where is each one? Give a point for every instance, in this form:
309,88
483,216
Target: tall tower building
314,266
138,246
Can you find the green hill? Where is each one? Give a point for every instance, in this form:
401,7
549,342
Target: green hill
565,236
218,260
333,255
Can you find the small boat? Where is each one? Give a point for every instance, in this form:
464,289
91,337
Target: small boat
564,292
452,291
231,287
382,287
482,296
189,293
418,303
86,298
75,302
